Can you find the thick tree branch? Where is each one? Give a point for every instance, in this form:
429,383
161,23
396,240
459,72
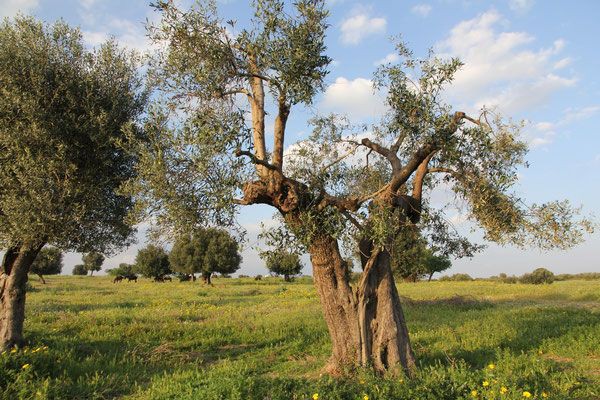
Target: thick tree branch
279,133
387,153
400,177
422,170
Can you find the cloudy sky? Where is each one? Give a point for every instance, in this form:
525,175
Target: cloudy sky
534,60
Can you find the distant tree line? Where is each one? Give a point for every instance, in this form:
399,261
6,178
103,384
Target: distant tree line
205,252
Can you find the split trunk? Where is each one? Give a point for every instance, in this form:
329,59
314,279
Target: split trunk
366,324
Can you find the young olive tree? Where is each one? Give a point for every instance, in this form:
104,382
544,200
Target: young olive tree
205,251
281,262
49,261
152,262
79,269
93,261
204,159
63,112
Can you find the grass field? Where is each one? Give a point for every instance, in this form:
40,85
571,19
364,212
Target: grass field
242,339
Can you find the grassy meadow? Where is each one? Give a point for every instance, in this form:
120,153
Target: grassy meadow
245,339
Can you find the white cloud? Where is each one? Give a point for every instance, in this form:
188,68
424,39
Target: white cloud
539,142
390,58
10,8
501,69
562,63
578,114
521,6
544,126
356,28
128,33
87,4
356,98
422,10
544,133
94,38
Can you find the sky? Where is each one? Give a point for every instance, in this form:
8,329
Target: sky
534,60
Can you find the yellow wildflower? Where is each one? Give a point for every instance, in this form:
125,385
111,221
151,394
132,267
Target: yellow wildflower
13,351
362,381
366,397
25,366
544,394
503,390
316,396
491,366
474,393
485,384
526,394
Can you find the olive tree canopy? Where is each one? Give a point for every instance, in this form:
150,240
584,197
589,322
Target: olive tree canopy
64,111
281,262
152,262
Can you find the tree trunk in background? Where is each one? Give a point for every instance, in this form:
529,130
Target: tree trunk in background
13,280
42,278
286,277
366,325
206,278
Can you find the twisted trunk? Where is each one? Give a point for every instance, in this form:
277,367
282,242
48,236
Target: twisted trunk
13,279
366,325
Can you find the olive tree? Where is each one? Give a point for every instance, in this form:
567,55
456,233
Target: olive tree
63,112
281,262
152,262
49,261
93,261
205,251
79,269
208,154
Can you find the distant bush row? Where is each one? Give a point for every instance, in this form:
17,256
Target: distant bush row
538,276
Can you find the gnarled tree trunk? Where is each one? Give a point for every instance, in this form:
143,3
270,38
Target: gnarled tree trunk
13,280
366,325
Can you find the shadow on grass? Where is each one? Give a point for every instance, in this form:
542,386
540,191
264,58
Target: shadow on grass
532,330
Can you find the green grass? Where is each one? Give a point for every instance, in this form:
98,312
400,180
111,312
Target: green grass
243,339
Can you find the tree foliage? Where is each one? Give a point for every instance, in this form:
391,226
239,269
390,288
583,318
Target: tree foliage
538,276
152,262
49,261
79,269
63,110
93,261
281,262
206,251
123,269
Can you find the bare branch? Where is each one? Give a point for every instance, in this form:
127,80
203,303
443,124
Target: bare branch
255,160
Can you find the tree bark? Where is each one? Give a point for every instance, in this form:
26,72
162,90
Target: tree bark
384,334
206,278
339,306
366,325
13,279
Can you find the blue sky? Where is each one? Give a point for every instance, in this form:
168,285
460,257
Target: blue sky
534,60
